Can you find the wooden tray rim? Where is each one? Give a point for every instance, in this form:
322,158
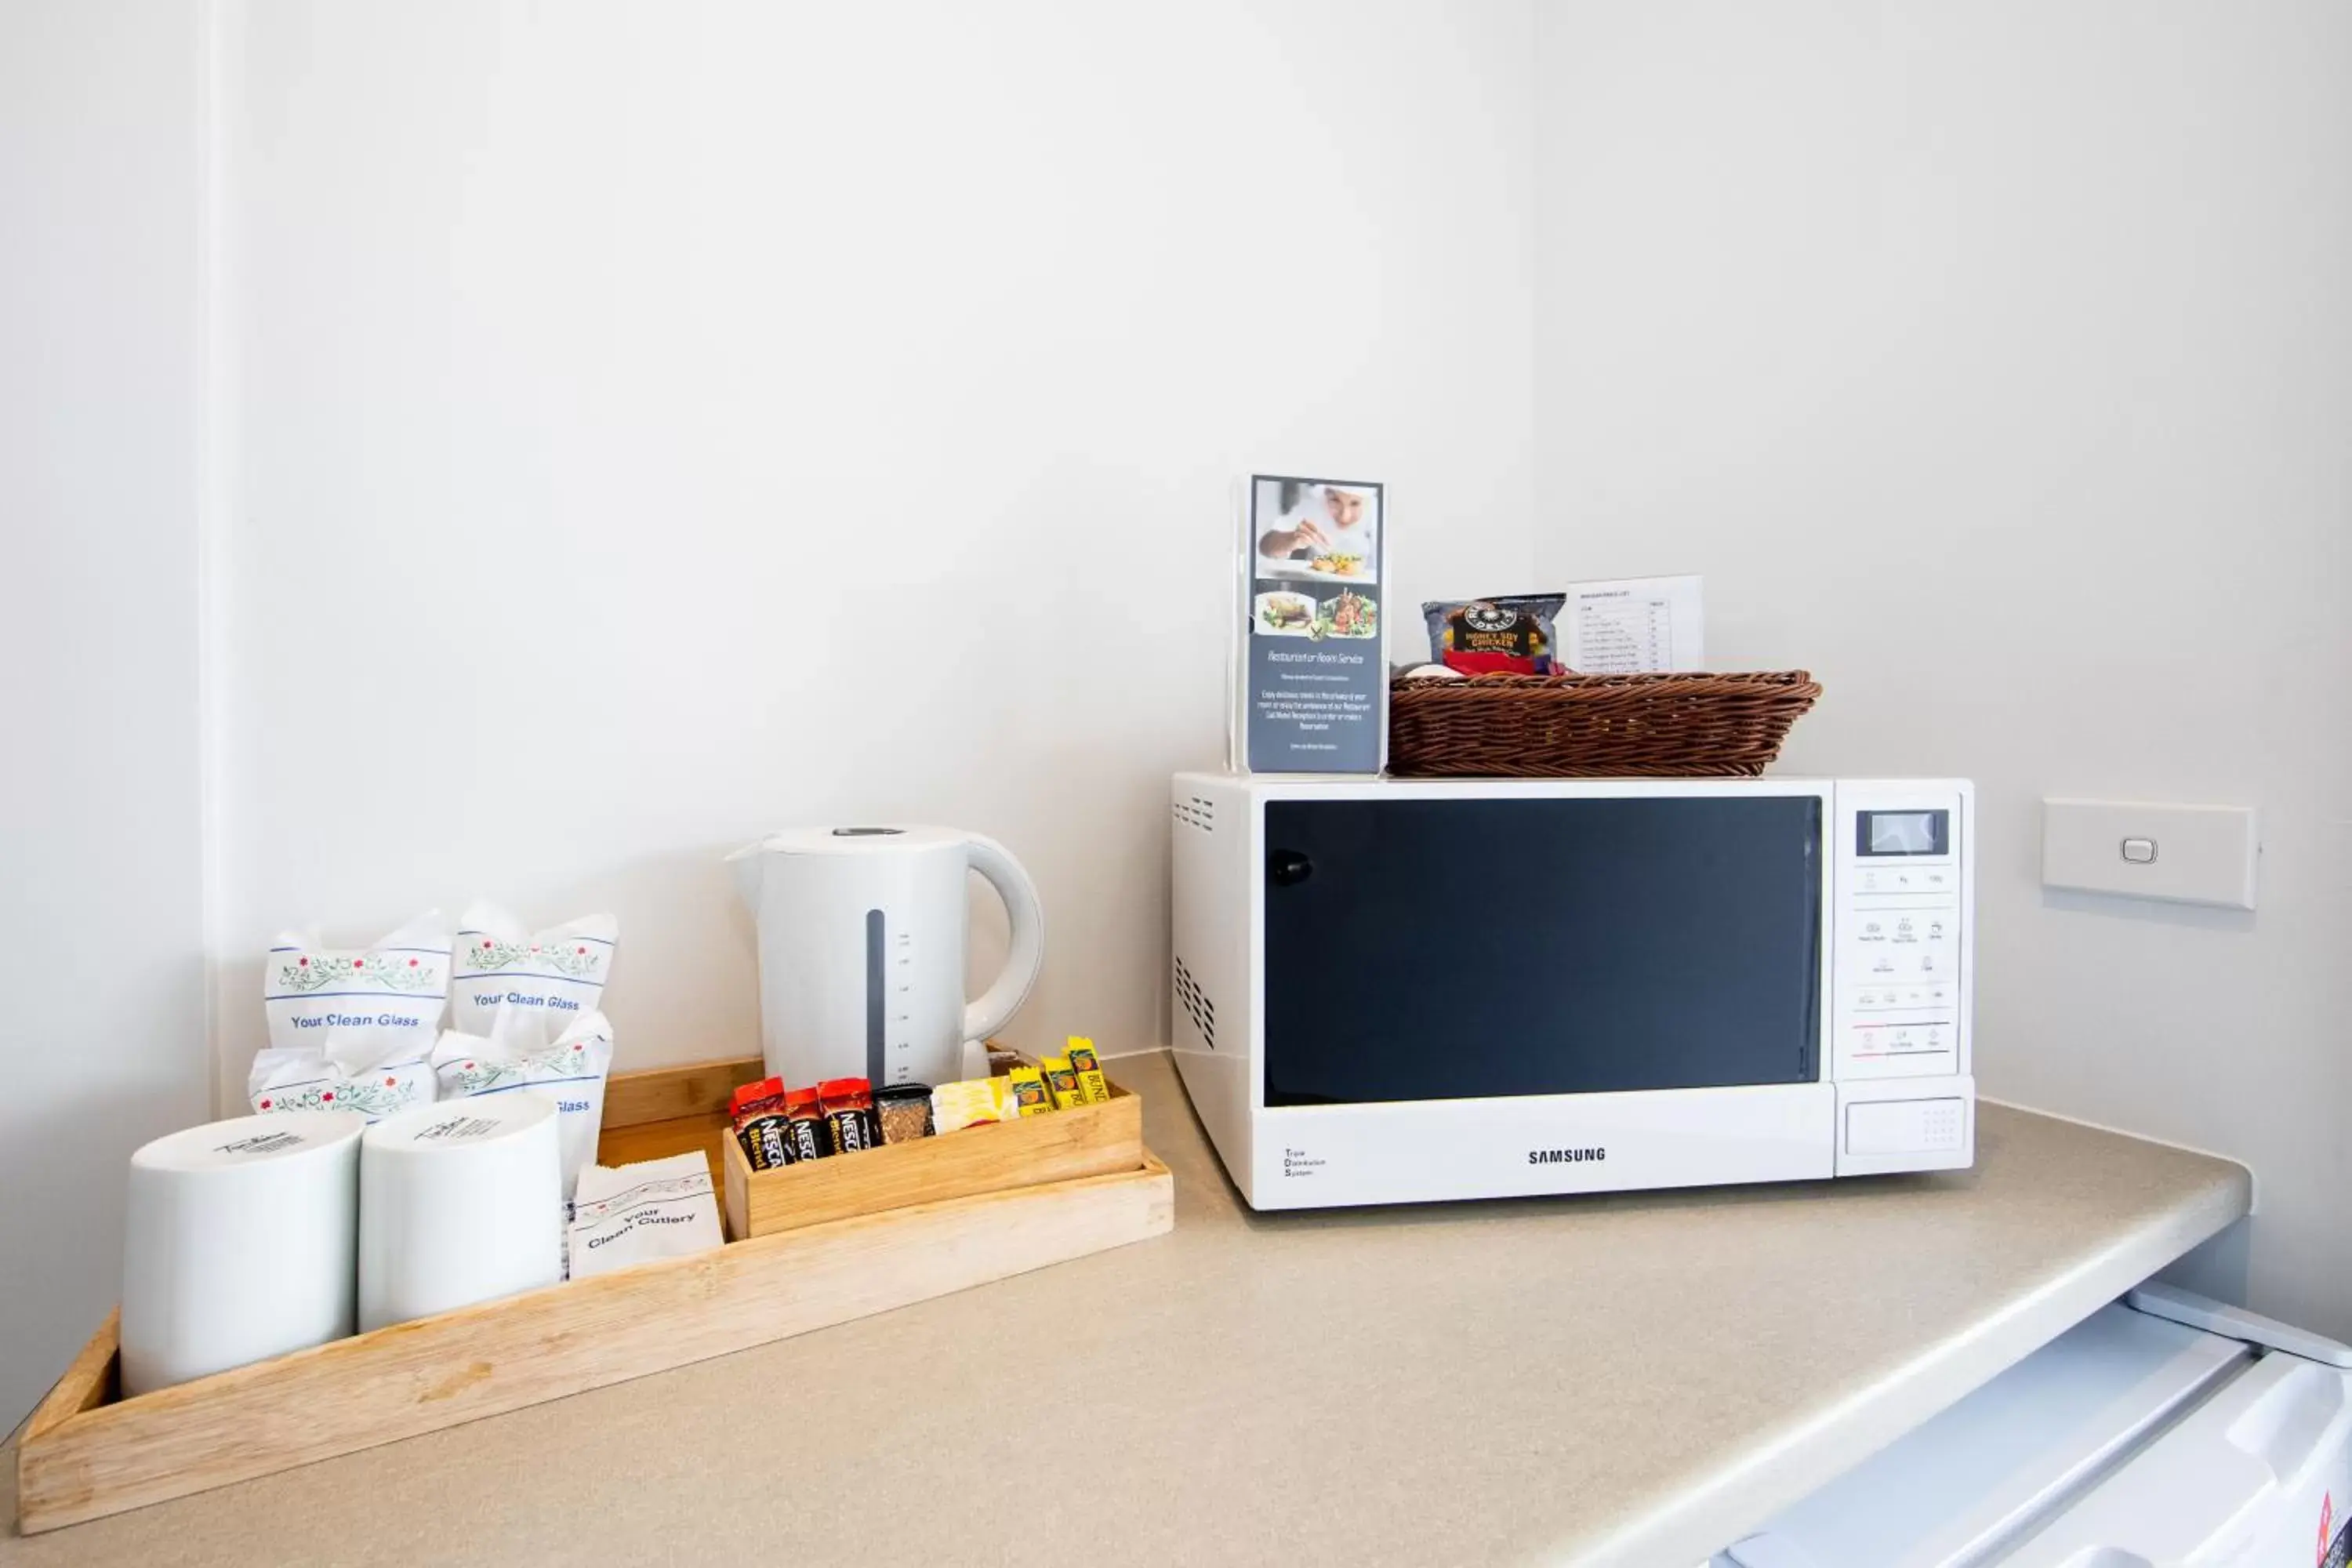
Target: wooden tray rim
85,1402
92,1370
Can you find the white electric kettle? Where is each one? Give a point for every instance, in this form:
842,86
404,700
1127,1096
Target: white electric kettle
861,950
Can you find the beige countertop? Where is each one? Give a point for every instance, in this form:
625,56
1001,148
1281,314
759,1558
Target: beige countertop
1635,1379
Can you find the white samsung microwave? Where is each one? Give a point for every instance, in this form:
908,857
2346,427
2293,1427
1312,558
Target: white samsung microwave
1394,991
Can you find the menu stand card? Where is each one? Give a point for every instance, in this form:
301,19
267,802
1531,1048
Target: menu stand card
1310,687
1631,626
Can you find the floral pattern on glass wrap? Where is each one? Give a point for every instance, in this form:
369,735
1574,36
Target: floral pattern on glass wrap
580,960
371,971
370,1099
479,1076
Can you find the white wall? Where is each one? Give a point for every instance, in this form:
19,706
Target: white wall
642,427
657,425
1995,363
102,952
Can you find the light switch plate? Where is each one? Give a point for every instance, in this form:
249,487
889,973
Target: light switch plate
2181,854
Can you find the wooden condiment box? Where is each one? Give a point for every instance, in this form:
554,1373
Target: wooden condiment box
1081,1140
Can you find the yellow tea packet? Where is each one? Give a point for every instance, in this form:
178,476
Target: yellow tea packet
1083,1062
1061,1082
1025,1093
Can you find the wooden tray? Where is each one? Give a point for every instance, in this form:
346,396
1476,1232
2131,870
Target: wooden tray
1083,1140
88,1452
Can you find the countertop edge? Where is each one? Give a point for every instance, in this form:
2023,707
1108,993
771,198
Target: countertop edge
2100,1231
1704,1520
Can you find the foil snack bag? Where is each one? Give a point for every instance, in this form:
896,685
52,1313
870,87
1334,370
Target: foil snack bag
1511,634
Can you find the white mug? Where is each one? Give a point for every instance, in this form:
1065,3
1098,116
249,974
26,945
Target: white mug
460,1202
239,1242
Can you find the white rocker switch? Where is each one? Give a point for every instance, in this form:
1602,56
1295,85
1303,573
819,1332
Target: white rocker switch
2180,854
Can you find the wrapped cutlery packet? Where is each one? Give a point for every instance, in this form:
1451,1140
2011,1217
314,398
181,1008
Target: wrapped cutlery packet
633,1213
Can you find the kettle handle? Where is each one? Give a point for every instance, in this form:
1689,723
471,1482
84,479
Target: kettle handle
1027,954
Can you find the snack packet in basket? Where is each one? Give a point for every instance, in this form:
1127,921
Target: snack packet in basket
1511,634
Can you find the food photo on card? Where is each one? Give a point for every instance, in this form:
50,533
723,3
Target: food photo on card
1311,688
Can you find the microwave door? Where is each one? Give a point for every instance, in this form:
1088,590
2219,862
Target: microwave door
1436,949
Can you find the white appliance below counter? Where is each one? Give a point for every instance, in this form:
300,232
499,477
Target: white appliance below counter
1398,991
2133,1440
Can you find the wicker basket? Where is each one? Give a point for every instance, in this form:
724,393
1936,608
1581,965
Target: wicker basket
1594,726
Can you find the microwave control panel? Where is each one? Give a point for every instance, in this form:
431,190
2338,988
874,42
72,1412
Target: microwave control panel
1899,988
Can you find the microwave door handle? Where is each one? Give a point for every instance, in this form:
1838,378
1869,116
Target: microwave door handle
1288,868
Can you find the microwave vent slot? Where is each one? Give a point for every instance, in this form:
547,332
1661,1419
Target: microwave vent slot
1196,810
1196,1005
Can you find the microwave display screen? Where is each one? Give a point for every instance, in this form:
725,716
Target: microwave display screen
1903,832
1450,949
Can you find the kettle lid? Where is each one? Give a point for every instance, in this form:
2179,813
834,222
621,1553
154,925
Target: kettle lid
875,839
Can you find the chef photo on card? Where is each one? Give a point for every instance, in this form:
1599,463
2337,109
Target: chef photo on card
1312,687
